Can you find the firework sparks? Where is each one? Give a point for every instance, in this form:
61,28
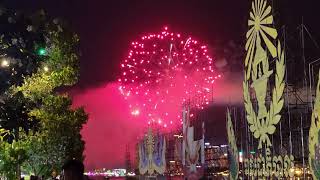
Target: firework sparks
161,72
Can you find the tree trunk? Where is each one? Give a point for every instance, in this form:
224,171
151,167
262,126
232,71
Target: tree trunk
18,172
18,168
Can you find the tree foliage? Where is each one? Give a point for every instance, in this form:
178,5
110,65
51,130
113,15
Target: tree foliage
14,115
59,138
62,61
11,155
33,95
19,40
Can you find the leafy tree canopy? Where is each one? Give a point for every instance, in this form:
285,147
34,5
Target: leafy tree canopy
42,55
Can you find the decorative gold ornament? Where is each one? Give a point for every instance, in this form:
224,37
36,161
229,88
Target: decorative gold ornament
262,124
234,155
262,120
314,148
259,25
268,166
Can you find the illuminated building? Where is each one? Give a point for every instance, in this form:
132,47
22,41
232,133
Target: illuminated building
216,158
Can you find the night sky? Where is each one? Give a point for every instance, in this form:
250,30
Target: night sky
107,27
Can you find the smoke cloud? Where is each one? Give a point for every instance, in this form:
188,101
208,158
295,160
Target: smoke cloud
111,126
109,129
228,89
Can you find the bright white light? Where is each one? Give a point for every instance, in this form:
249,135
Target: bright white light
178,136
131,174
46,69
240,156
135,112
207,144
5,63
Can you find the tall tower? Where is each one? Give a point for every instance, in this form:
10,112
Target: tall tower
128,159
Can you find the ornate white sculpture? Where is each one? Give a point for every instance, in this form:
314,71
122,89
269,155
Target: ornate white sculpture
152,154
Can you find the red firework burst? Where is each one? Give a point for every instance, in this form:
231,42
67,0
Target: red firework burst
163,71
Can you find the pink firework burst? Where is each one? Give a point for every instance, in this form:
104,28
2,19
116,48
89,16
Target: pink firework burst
162,72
